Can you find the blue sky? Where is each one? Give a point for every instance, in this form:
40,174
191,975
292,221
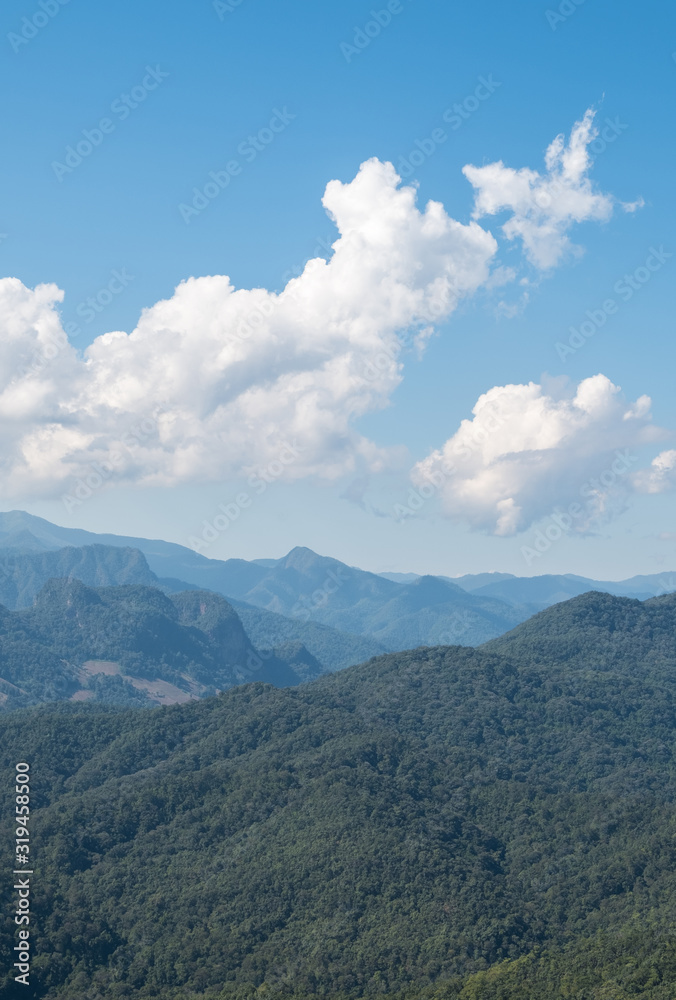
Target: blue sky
341,88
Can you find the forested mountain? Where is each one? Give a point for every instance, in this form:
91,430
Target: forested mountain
431,611
448,823
428,611
597,632
24,574
133,645
334,649
371,614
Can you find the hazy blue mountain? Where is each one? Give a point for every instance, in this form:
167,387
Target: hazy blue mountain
655,584
433,612
472,581
311,588
543,591
303,583
334,649
24,574
166,559
428,611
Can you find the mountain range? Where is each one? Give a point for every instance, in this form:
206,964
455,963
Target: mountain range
445,823
373,613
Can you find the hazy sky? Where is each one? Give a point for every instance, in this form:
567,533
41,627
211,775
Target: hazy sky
391,281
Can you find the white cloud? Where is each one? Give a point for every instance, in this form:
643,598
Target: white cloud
232,375
660,477
225,377
527,452
545,206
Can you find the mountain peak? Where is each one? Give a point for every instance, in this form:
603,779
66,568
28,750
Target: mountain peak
301,558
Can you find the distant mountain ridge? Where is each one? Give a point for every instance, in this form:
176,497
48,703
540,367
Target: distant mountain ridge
24,574
388,611
303,586
549,589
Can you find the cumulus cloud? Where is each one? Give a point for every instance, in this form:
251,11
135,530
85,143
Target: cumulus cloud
223,379
528,452
544,206
660,477
217,380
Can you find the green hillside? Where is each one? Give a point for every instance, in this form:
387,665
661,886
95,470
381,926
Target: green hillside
447,822
597,631
334,649
133,645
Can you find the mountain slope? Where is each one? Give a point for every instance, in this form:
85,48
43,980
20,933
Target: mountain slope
397,616
431,611
447,823
23,575
132,645
334,649
597,632
302,585
312,588
25,532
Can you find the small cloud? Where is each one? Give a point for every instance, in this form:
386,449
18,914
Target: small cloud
660,477
532,449
632,206
544,206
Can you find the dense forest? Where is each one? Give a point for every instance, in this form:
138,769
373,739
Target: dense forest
444,823
133,645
